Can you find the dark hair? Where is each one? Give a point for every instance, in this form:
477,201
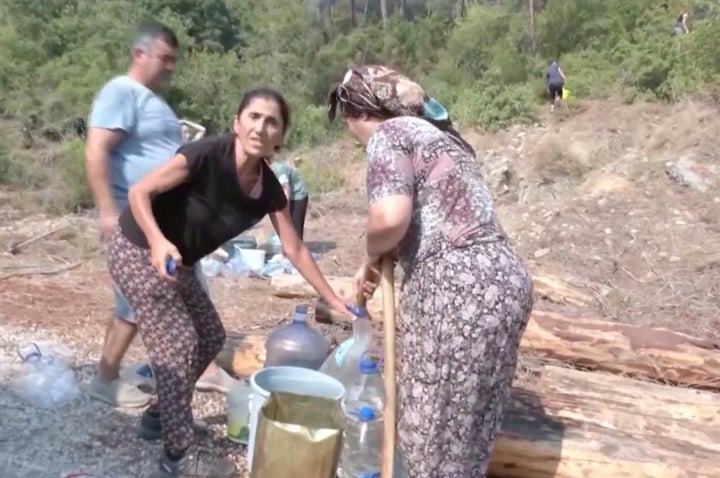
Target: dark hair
680,17
268,94
152,30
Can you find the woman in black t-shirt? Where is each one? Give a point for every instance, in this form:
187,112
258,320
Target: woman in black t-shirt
211,191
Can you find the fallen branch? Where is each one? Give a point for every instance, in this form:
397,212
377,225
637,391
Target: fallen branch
15,248
45,272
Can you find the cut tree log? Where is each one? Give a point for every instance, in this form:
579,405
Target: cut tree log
535,444
659,354
676,403
242,354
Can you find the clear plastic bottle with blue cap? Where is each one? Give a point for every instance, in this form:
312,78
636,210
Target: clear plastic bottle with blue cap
343,362
297,344
363,409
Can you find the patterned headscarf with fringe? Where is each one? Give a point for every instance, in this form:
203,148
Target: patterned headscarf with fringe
381,91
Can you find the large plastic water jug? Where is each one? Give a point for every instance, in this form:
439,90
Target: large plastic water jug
296,345
343,363
363,409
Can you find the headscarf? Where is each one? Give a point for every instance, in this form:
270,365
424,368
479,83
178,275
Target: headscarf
381,91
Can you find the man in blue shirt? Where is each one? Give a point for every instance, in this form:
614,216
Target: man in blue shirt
132,130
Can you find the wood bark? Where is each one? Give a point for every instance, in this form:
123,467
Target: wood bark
659,354
690,417
243,354
533,443
677,403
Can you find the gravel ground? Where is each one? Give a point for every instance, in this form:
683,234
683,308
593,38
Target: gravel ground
86,436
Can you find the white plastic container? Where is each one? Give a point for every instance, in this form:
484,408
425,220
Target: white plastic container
343,363
301,381
254,258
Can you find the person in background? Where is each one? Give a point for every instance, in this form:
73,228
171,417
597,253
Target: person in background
209,192
555,82
295,191
680,27
132,131
466,295
191,131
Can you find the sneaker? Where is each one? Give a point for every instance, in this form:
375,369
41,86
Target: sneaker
221,382
118,393
150,427
140,375
197,463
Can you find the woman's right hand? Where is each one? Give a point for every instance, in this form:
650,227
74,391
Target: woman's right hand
366,279
160,252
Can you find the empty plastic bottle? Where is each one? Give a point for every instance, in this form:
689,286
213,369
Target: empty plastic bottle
363,409
296,345
238,412
343,362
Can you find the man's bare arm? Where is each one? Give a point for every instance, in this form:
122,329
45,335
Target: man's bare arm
98,147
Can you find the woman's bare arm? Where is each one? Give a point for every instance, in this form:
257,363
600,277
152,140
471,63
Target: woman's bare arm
170,174
388,222
299,255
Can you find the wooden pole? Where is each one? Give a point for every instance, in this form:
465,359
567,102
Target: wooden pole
387,282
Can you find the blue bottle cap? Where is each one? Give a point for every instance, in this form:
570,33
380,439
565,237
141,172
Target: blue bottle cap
359,312
367,365
366,414
369,475
301,309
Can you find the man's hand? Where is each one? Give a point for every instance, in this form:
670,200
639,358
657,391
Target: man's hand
108,221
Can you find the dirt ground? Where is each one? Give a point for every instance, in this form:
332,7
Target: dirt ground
622,201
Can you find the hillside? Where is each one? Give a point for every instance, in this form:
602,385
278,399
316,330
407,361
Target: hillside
621,201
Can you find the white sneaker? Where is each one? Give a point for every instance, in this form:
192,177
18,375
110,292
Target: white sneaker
118,393
221,382
141,375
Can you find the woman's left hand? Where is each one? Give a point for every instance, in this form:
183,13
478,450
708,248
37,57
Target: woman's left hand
339,306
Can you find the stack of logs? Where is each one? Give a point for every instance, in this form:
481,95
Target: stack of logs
634,415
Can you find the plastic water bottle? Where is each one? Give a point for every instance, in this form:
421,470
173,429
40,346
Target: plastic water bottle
235,267
238,412
363,409
296,345
343,362
210,267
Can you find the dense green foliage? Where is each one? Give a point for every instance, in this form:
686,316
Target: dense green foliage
484,59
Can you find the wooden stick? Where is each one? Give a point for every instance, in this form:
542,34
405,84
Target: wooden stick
45,272
387,282
15,248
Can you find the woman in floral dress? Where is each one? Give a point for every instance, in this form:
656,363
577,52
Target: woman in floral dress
466,296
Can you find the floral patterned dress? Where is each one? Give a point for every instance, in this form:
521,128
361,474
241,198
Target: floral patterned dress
465,301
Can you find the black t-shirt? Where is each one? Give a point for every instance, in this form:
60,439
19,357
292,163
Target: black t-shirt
208,209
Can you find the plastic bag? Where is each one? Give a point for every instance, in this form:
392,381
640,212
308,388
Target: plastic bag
47,379
299,436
